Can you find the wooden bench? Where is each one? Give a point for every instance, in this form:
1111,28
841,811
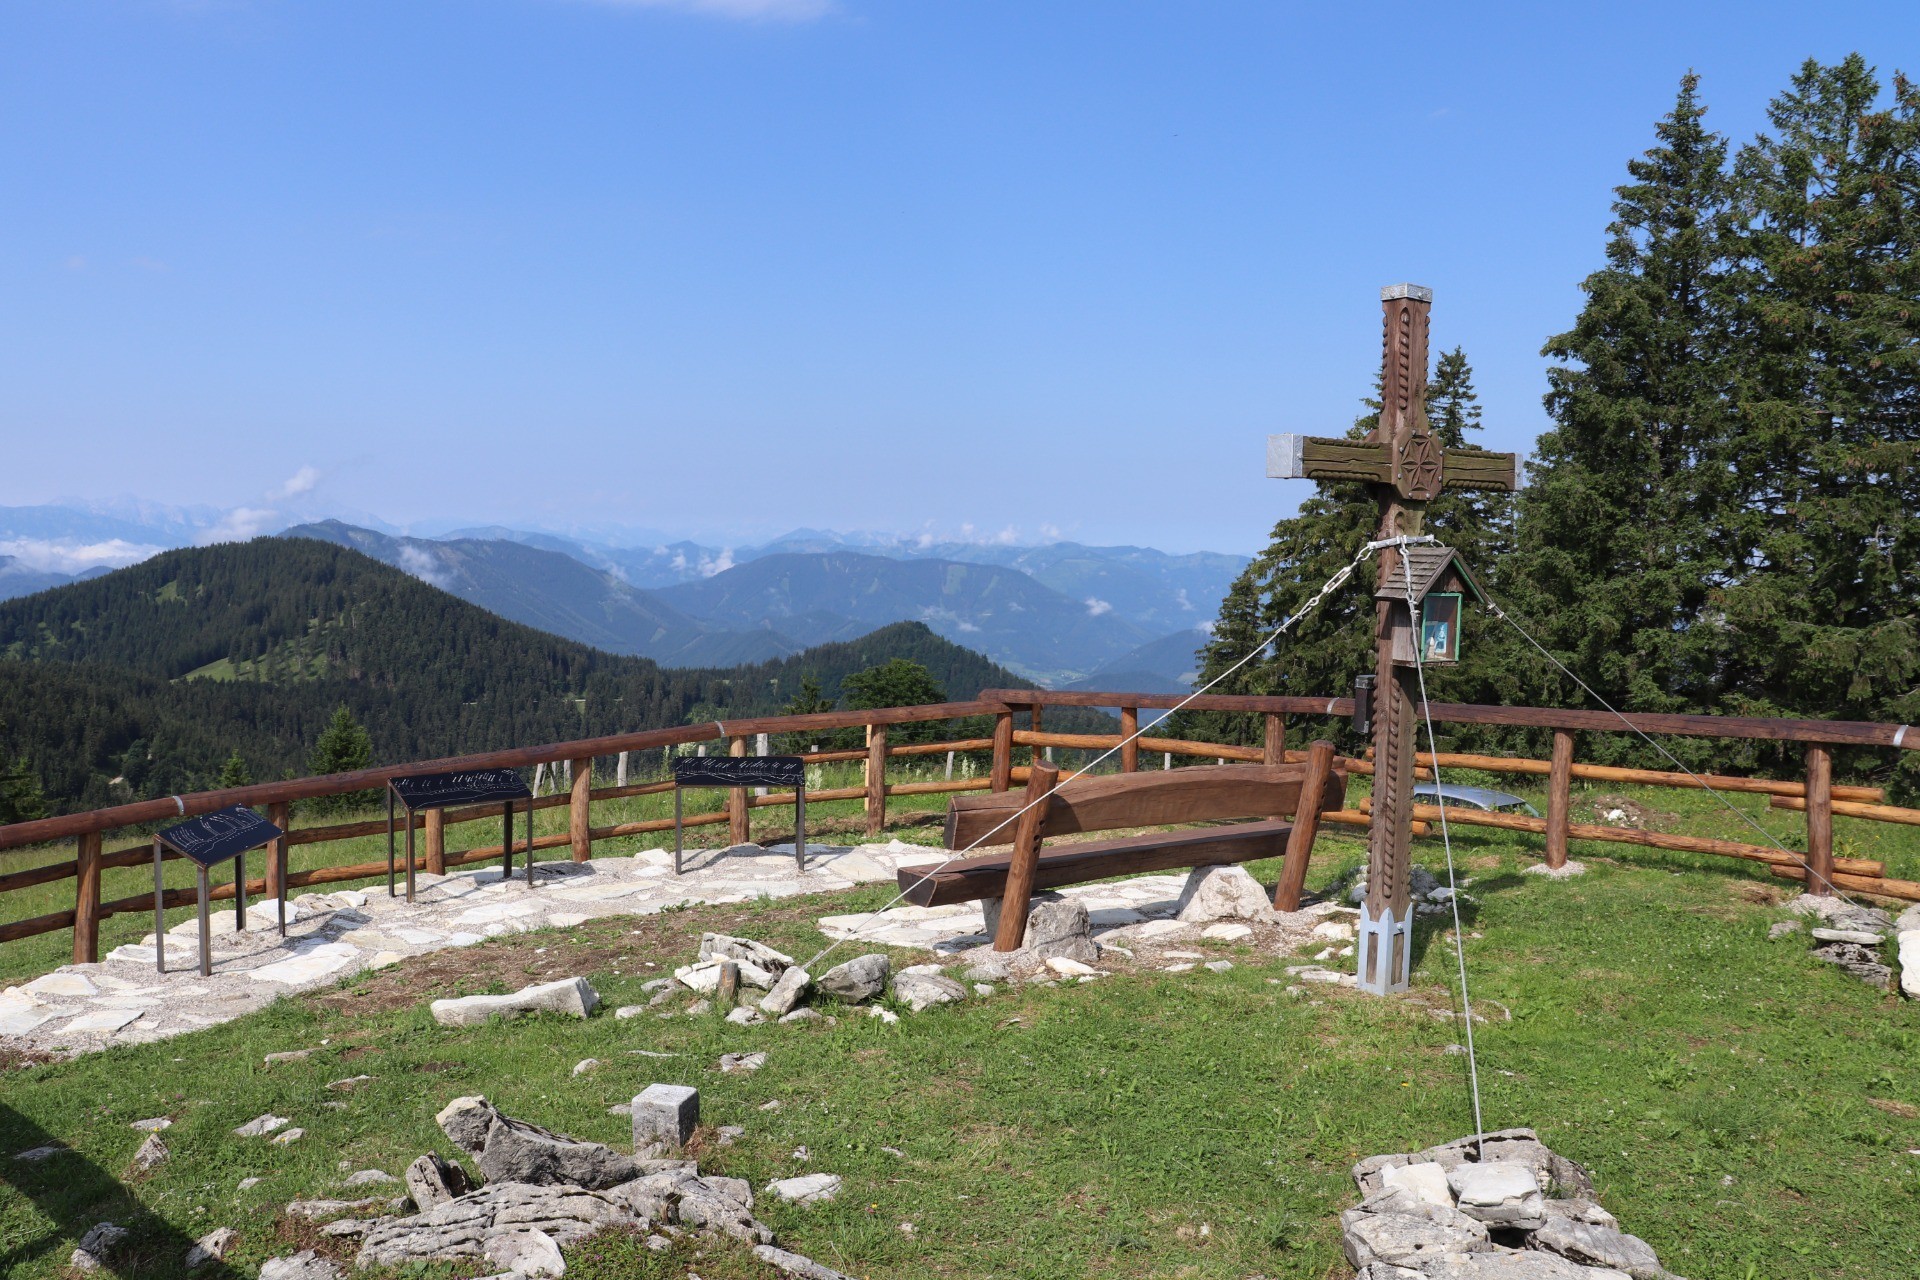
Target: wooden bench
1204,794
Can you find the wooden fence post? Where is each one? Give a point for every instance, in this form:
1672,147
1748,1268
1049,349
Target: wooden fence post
1039,753
876,778
579,833
1274,750
281,816
1819,820
86,907
1129,745
1559,798
436,842
1002,775
737,829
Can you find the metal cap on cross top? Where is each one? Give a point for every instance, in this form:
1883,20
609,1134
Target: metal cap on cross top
1404,467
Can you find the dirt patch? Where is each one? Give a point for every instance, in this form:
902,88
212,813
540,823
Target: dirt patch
19,1059
1618,811
1763,895
1905,1110
668,938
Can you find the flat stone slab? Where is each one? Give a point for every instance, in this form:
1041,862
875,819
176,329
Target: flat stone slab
343,931
574,997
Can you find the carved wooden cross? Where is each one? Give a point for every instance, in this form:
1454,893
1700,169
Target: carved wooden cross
1405,466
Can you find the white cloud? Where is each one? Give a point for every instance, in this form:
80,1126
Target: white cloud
240,524
64,555
424,565
1050,531
1096,607
301,481
710,565
738,10
1208,626
1180,598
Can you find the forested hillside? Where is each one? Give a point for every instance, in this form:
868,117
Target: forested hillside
143,682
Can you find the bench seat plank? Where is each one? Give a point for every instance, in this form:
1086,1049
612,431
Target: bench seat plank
969,879
1162,798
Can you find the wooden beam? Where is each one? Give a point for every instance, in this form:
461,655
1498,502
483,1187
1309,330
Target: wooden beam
1848,809
1559,798
1275,747
876,779
1110,802
281,816
579,826
435,840
1306,824
86,910
1480,469
1002,751
739,829
1820,821
970,879
1840,733
1129,745
1017,895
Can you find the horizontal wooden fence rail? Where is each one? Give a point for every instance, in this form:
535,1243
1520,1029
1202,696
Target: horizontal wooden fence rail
1817,796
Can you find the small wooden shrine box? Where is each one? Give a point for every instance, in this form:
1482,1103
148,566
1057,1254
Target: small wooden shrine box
1439,584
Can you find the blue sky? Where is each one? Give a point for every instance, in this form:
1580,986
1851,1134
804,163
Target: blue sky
725,267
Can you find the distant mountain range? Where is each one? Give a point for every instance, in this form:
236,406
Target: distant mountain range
1062,614
142,681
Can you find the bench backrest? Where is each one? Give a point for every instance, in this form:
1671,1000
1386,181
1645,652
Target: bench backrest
1110,802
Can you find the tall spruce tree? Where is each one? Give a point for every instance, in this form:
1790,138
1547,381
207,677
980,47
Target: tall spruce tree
1825,606
1326,650
1623,532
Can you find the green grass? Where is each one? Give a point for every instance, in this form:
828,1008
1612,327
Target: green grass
1744,1107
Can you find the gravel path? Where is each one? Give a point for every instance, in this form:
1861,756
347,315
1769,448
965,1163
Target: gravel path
123,1000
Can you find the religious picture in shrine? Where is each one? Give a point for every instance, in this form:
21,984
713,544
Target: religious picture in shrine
1440,627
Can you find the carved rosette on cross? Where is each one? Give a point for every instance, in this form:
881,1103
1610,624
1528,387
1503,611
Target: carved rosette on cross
1416,612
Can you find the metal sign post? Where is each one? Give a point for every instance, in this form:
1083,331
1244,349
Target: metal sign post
208,841
744,771
473,786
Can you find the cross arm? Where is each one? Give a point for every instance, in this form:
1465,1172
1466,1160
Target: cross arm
1298,457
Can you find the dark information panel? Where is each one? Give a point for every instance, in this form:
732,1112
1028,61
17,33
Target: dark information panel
473,786
213,838
740,771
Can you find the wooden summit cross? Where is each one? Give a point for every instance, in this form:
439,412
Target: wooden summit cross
1405,467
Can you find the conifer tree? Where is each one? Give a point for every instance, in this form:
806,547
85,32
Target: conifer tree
1623,520
1825,608
341,748
21,799
235,772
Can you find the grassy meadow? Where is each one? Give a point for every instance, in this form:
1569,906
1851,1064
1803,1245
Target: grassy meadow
1746,1108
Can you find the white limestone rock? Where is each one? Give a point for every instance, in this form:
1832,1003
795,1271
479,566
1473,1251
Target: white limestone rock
807,1189
525,1253
861,978
433,1180
1500,1192
920,990
262,1125
1910,962
305,1265
786,993
1222,893
211,1247
574,997
1426,1181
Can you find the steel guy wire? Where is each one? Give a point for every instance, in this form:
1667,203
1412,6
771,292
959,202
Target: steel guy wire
1771,839
1453,886
1331,585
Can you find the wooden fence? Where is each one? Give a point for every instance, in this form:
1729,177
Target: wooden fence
1817,796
